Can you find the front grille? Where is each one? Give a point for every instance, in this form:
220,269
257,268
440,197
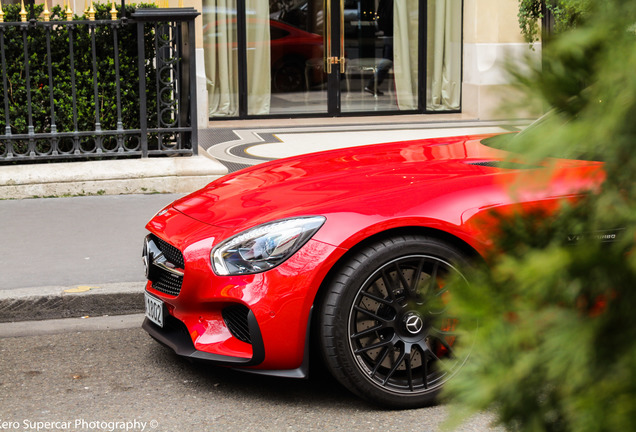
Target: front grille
167,283
162,280
173,254
235,318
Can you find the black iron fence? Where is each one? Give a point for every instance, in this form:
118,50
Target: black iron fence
103,87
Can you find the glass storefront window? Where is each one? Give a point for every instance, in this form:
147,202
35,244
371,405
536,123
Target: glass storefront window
376,60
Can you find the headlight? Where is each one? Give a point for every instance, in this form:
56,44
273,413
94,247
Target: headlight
264,246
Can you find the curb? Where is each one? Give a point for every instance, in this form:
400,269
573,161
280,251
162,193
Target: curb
110,177
66,325
44,303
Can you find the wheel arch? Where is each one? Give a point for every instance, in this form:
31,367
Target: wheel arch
437,234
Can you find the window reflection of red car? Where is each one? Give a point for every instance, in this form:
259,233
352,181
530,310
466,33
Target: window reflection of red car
296,55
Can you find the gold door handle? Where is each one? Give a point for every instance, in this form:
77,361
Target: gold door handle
329,58
326,5
342,39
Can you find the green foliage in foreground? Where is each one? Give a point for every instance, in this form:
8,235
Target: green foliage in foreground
556,348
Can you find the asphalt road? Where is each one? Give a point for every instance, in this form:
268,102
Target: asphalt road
87,240
90,380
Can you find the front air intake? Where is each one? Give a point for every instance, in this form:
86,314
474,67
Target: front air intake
235,318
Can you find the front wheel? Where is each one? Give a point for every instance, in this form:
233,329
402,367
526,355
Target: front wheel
385,331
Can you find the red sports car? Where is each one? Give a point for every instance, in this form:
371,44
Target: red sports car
348,249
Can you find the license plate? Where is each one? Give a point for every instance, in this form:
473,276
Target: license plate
154,310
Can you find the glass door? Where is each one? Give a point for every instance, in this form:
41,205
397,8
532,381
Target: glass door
396,55
299,82
337,56
293,56
369,76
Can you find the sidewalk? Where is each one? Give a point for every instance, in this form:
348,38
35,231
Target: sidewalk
227,147
110,177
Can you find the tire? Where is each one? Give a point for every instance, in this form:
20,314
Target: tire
393,347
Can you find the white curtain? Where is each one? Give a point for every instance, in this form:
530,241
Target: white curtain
221,57
219,43
259,80
405,52
443,86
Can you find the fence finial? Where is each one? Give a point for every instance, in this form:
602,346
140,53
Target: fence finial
113,12
68,11
91,12
47,13
23,12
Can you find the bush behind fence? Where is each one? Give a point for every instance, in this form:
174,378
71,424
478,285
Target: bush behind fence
42,115
60,58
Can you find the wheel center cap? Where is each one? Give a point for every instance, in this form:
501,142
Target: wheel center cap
413,323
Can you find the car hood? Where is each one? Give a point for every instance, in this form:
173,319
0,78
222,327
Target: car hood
377,179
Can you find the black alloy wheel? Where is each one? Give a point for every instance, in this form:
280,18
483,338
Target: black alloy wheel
385,332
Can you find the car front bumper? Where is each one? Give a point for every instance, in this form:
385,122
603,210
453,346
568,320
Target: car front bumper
257,321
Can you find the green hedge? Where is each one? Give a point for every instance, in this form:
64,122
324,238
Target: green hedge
61,66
